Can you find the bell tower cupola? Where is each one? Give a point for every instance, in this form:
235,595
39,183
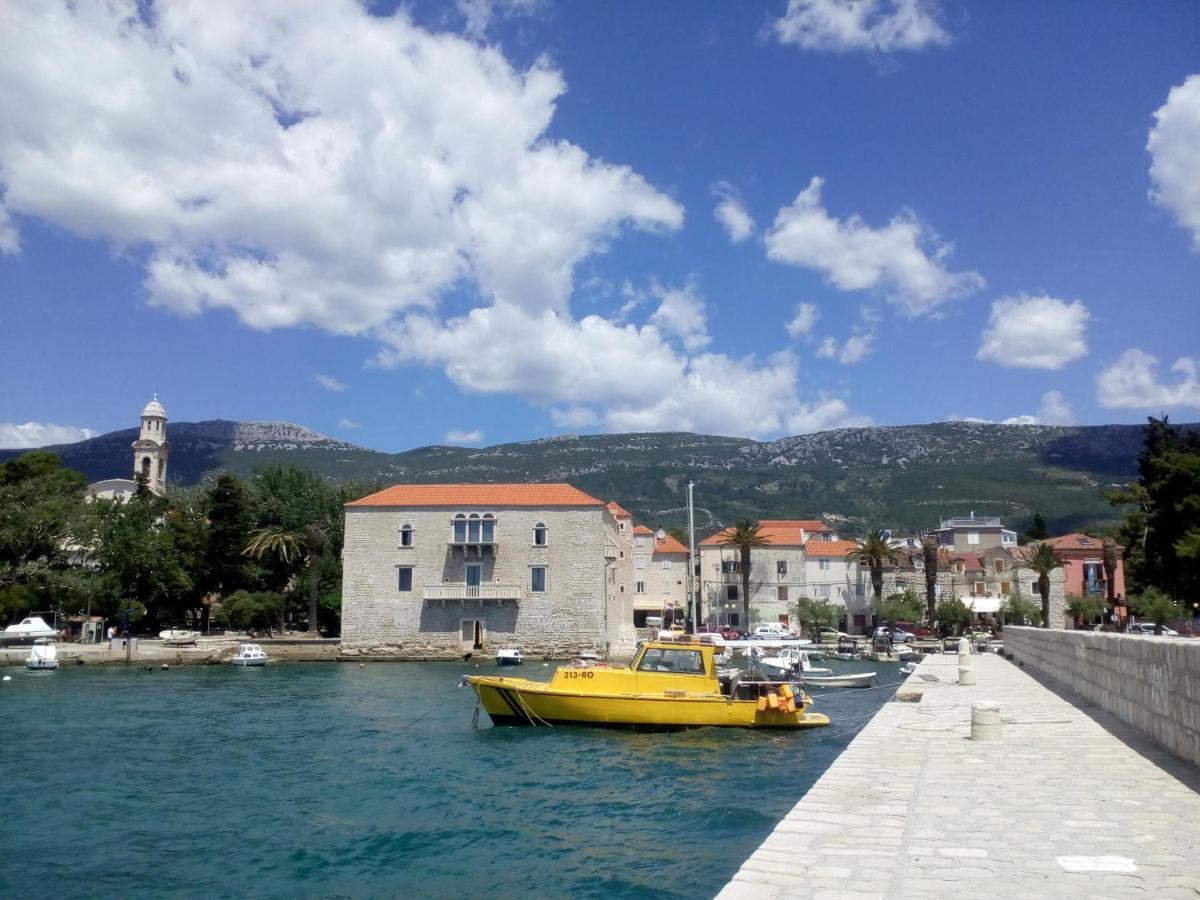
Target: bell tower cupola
151,449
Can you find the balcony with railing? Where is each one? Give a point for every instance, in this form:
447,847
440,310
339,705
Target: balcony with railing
457,592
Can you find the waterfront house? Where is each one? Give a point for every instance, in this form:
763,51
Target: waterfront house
829,574
659,574
970,534
777,572
443,570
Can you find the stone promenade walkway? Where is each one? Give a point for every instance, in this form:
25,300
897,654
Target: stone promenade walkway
1064,806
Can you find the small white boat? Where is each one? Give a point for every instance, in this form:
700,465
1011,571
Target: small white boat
510,656
178,637
43,655
908,669
249,655
788,662
28,629
856,680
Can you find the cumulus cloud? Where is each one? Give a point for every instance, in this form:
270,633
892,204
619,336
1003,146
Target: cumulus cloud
904,259
479,14
1035,332
348,423
245,154
681,313
730,212
828,348
804,320
846,25
40,434
466,438
329,383
1174,146
1131,383
574,417
1055,410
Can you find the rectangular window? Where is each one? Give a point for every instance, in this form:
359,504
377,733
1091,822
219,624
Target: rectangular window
733,620
999,566
730,566
406,537
823,564
639,562
460,531
781,567
781,593
1005,588
978,588
405,578
489,531
666,565
731,592
473,531
972,537
641,542
639,587
538,579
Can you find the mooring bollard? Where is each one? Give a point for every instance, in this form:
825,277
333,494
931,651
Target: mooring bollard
966,675
964,647
985,721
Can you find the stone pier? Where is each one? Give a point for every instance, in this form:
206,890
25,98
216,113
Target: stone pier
1070,802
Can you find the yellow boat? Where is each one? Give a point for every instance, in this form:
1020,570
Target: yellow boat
669,685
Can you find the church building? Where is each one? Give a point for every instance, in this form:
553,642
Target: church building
150,453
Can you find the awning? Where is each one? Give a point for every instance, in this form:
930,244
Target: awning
985,604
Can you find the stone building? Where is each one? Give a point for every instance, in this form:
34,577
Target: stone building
150,453
831,575
443,570
659,574
777,572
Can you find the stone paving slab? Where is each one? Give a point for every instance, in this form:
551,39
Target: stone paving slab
1071,803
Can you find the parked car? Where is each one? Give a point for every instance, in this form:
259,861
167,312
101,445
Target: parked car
899,636
730,633
773,631
1148,628
709,629
827,635
914,629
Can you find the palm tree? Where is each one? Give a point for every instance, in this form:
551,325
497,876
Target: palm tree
929,550
277,543
1042,559
744,536
875,551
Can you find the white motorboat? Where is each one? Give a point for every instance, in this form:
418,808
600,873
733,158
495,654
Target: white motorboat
789,661
178,637
28,629
249,655
510,656
43,655
855,680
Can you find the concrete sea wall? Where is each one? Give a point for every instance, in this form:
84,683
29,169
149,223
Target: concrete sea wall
1151,683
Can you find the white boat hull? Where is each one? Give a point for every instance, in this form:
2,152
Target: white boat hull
858,680
41,665
259,661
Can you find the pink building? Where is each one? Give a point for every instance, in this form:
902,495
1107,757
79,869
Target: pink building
1084,573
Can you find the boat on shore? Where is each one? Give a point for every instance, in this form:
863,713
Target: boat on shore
249,655
178,637
510,656
31,628
43,656
669,685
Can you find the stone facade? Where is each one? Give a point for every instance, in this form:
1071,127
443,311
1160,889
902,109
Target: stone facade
1151,683
151,449
659,572
473,598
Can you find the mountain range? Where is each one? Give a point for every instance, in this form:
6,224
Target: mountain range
905,476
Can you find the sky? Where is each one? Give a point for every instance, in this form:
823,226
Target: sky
498,220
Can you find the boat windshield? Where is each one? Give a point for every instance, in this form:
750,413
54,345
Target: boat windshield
659,659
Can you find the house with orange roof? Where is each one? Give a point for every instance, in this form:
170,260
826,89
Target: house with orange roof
777,572
446,570
659,576
830,574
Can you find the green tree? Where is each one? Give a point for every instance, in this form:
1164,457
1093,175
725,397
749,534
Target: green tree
279,549
813,614
1156,606
929,553
1016,610
1084,609
953,616
1037,529
744,536
230,520
245,609
40,503
903,607
1042,559
875,551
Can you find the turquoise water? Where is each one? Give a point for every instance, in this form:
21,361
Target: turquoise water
326,780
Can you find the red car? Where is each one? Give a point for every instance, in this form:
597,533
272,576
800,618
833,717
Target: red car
914,629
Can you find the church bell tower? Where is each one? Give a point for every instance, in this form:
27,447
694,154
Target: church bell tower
151,449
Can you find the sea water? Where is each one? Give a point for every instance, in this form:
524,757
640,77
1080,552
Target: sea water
331,780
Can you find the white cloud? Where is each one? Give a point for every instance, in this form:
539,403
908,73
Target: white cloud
348,423
828,348
857,348
10,239
629,377
470,438
804,320
730,212
1131,383
40,434
1055,410
1035,332
824,415
236,142
329,383
1174,146
846,25
904,259
480,13
681,313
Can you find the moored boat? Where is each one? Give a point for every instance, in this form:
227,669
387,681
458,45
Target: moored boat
848,680
43,655
178,637
28,629
249,655
669,685
510,656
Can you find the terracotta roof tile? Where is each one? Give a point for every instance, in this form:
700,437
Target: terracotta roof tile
828,549
537,495
669,545
617,510
777,532
1078,542
641,529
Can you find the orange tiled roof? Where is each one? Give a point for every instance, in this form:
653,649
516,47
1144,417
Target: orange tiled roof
669,545
641,529
538,495
617,510
1078,542
971,561
777,532
829,549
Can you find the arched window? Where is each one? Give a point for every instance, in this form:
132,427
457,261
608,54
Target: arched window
406,535
162,469
473,529
460,529
489,529
145,467
539,534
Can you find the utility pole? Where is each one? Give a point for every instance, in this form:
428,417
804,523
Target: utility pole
693,599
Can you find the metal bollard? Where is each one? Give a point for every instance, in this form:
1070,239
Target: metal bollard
966,675
985,721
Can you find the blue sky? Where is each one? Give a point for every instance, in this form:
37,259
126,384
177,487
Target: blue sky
504,220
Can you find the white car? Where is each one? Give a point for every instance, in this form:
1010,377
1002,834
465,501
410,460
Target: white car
773,631
899,636
1148,628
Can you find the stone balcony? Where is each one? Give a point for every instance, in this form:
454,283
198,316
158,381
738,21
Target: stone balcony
457,592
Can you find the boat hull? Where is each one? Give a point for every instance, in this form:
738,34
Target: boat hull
518,701
41,665
863,680
248,663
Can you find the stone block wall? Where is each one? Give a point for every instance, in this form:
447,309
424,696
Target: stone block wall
1150,683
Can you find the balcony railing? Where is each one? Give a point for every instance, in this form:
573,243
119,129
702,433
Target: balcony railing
460,593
